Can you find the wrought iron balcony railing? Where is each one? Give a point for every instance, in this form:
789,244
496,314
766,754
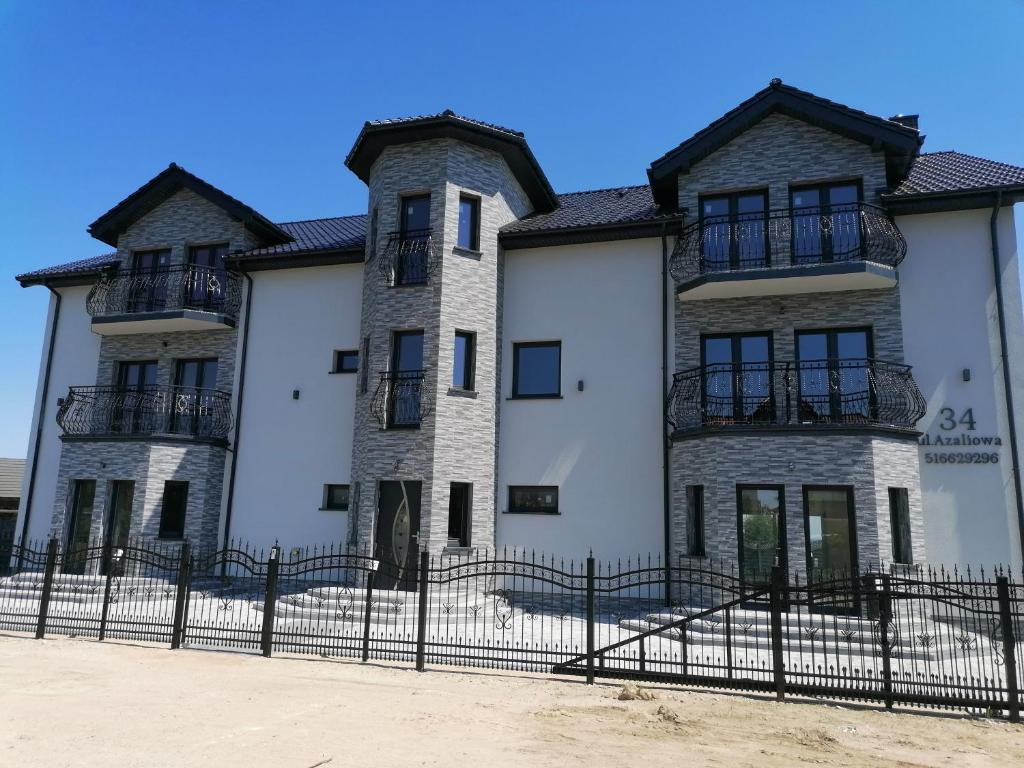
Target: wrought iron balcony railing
402,399
409,258
204,289
787,238
120,412
847,392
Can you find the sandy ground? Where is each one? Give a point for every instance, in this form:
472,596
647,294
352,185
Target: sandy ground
67,702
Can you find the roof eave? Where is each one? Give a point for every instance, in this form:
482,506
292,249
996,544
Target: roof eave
952,200
306,258
592,233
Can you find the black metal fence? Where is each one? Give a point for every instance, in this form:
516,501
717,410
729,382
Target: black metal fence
891,635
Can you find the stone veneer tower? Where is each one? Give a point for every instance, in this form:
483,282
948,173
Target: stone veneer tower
446,157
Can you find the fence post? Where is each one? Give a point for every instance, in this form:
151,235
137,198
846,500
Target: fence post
590,620
184,579
775,603
267,635
421,618
108,548
1009,648
884,625
44,599
366,615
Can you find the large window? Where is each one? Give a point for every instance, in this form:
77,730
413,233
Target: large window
406,379
733,231
172,511
83,494
826,223
206,285
533,499
134,409
469,223
537,369
465,360
149,292
695,521
411,260
834,368
762,531
738,378
194,399
459,514
899,514
829,528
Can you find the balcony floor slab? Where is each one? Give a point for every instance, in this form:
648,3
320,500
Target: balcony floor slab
160,322
782,281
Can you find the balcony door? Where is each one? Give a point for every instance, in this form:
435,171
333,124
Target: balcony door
406,379
411,260
826,223
148,288
194,382
134,406
834,368
738,379
206,279
734,232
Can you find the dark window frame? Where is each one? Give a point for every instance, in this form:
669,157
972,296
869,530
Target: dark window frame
696,522
906,556
732,220
465,532
364,372
783,543
474,224
339,357
823,188
328,505
851,506
512,509
166,531
832,356
736,341
469,362
516,346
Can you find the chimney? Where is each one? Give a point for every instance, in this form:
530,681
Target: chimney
908,120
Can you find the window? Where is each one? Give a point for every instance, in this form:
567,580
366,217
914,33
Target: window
172,511
537,369
465,360
738,378
469,223
364,373
829,527
899,514
406,379
458,514
826,223
194,399
411,263
149,294
734,233
336,497
533,499
374,220
204,279
762,531
132,411
695,520
80,527
346,361
834,382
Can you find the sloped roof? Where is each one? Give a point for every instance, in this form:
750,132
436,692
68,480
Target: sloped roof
616,205
71,269
11,473
329,234
112,223
899,141
944,172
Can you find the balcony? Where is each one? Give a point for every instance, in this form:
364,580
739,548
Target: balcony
409,258
805,250
808,394
402,399
114,412
184,298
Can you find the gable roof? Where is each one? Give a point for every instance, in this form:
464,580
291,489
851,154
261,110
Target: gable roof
140,202
900,142
11,473
511,145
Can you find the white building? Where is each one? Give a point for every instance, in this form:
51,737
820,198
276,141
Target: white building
800,341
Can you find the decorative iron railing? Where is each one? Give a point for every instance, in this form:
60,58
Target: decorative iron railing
402,399
184,287
409,258
848,392
785,238
115,411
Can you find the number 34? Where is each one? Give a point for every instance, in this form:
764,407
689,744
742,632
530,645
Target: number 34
950,421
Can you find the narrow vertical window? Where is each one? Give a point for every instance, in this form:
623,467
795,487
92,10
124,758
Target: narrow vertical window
899,514
373,232
458,514
695,521
364,372
469,223
172,511
465,360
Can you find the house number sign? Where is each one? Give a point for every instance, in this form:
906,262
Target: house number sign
957,441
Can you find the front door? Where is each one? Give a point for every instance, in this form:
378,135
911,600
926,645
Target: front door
119,522
397,535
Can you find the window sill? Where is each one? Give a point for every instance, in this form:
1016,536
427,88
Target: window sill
422,284
334,373
459,550
470,252
529,512
456,392
333,509
535,397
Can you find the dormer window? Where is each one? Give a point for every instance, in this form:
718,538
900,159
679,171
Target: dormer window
826,223
734,231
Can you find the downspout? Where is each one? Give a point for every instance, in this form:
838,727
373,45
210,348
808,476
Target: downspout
1005,355
238,409
43,397
665,442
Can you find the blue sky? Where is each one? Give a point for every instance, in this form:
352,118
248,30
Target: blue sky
265,99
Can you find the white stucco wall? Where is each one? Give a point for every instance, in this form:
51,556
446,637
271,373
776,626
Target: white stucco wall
291,448
601,446
949,324
75,357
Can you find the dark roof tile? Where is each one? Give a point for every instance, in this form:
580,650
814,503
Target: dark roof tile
618,205
70,268
330,234
950,172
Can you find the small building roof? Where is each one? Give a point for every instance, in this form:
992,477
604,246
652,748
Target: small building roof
11,473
